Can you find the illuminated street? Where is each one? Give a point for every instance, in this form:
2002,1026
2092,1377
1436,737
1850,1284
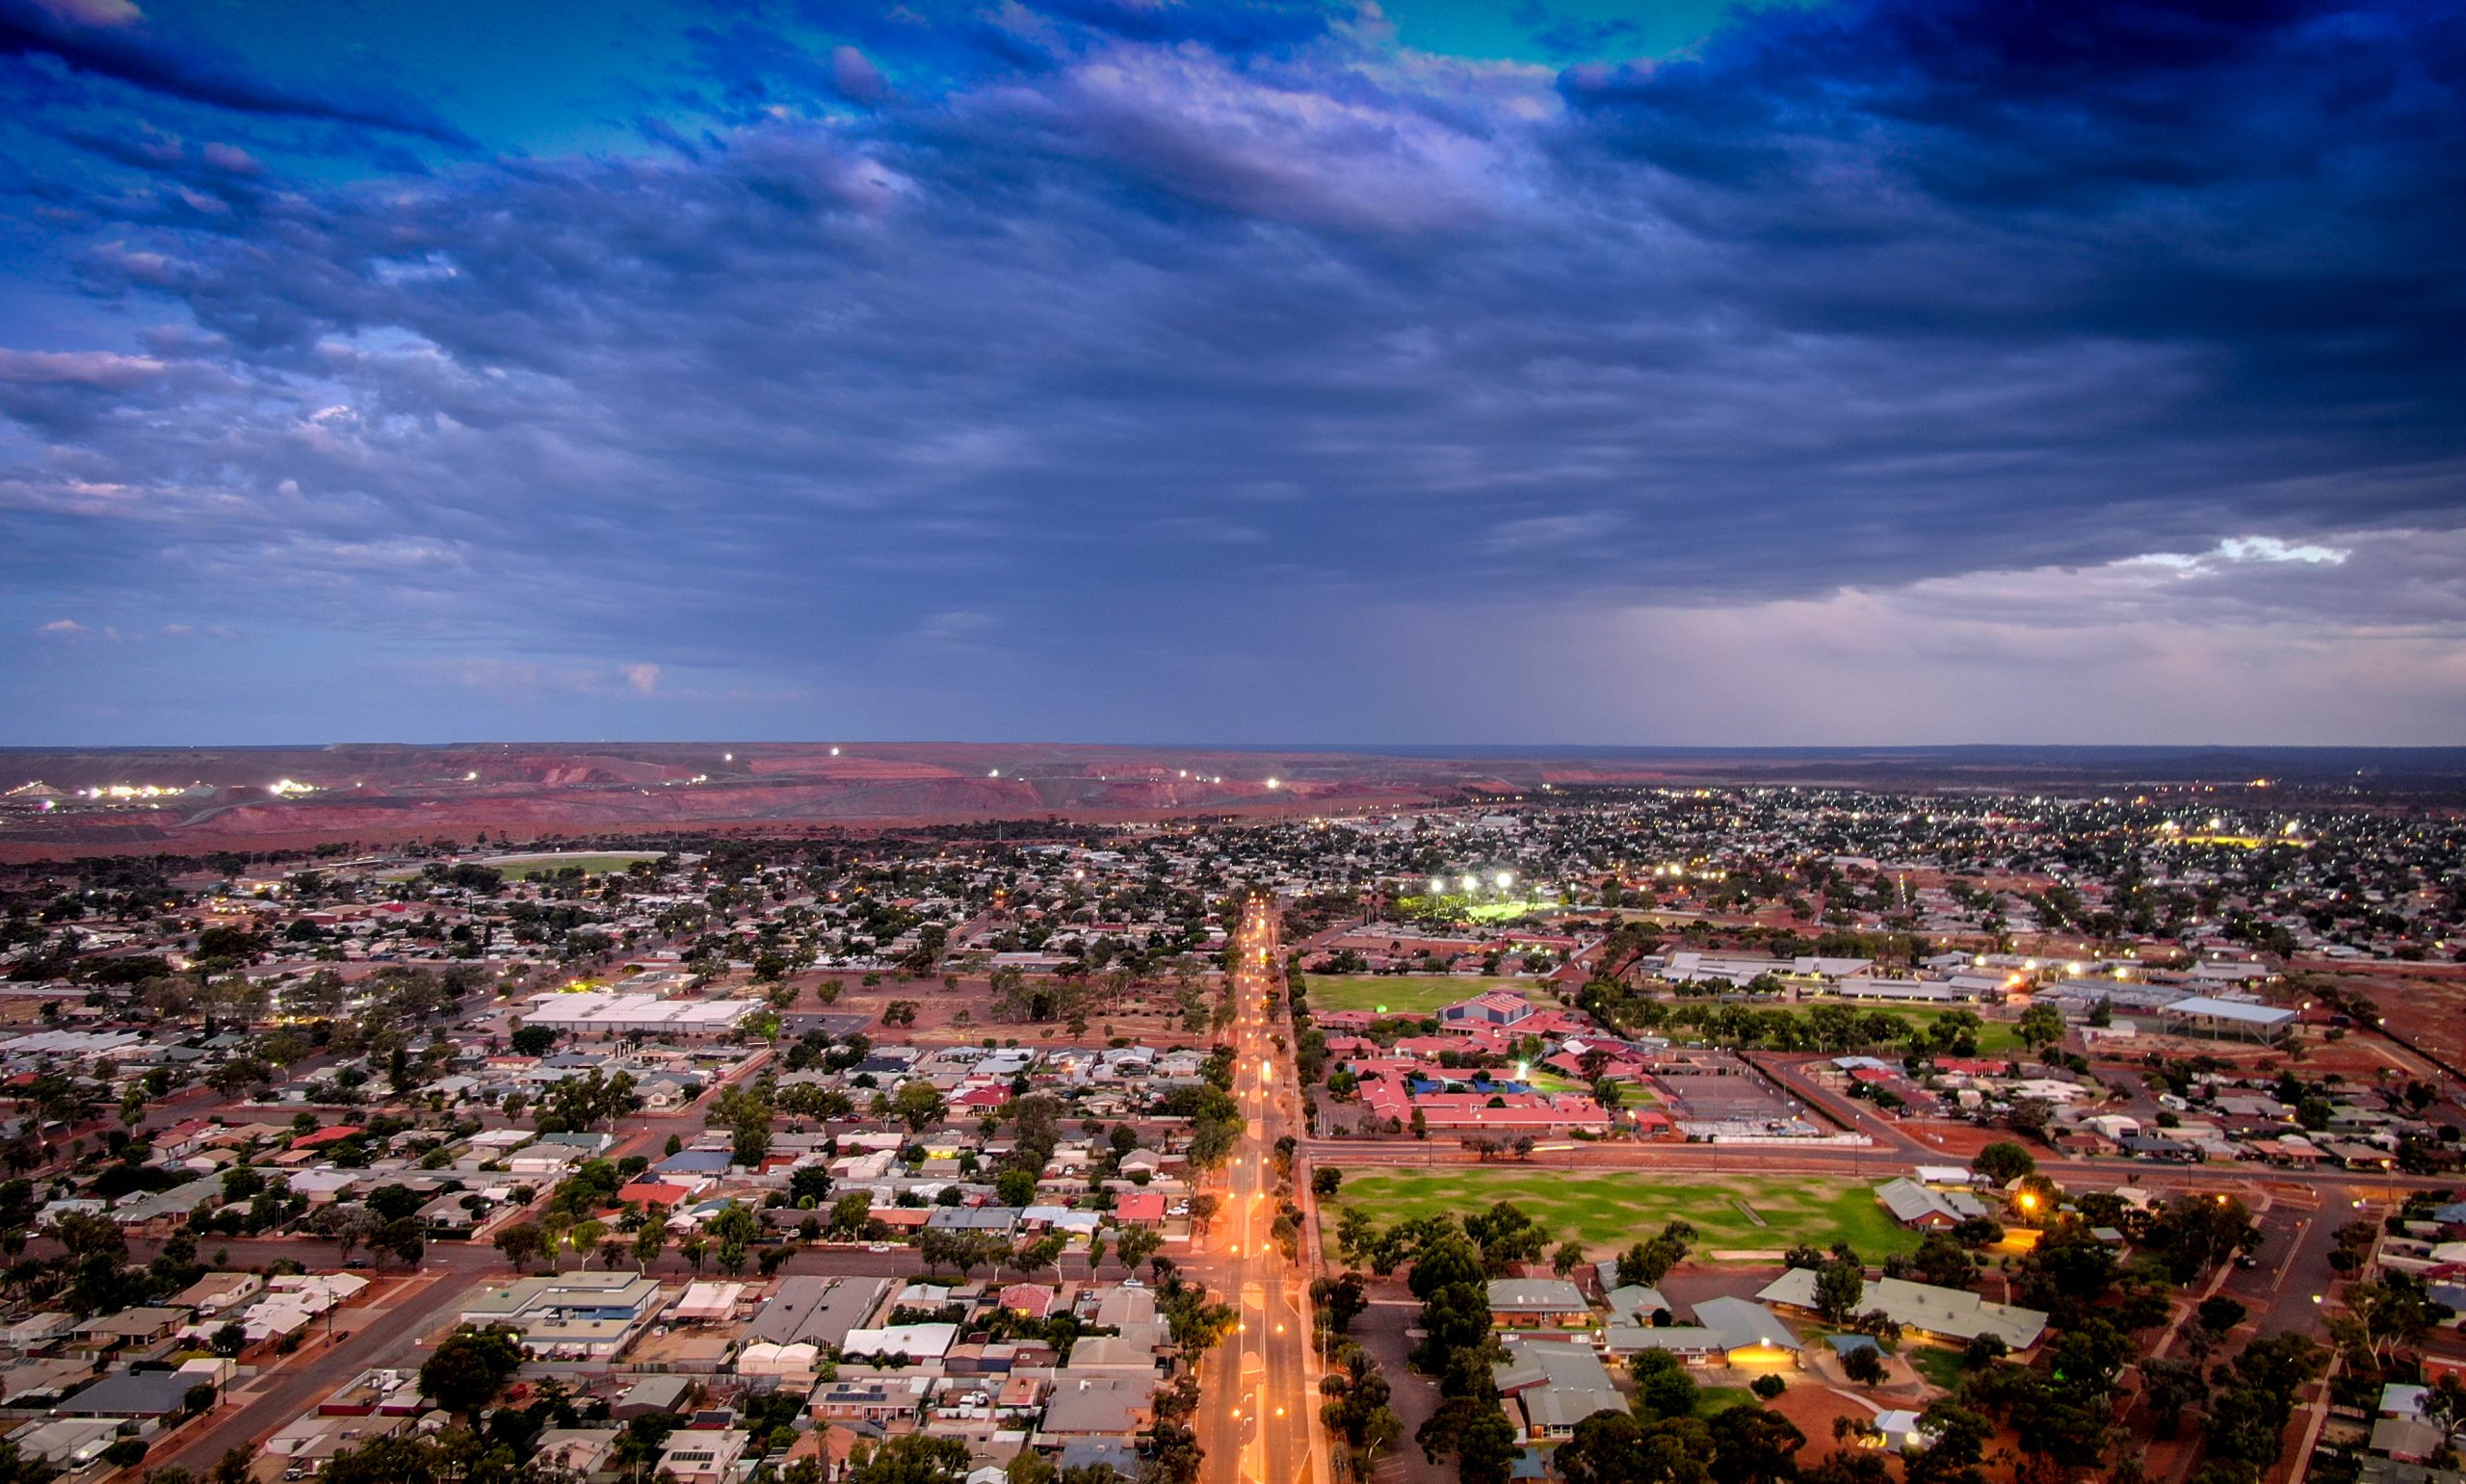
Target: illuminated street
1256,1420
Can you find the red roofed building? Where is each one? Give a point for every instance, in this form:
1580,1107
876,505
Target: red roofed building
1141,1207
324,1137
1508,1112
1032,1299
652,1192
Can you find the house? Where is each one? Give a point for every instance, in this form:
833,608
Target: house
579,1451
873,1399
132,1393
654,1394
133,1325
216,1293
1141,1207
816,1311
69,1443
1108,1455
1098,1407
703,1456
914,1343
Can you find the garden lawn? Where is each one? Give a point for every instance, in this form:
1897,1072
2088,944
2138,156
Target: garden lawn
1941,1367
1710,1399
1607,1210
1400,994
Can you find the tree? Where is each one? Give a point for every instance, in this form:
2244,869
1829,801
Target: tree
1015,1186
1340,1301
912,1459
749,1133
2198,1233
2168,1385
405,1240
1663,1386
469,1367
850,1212
587,1239
917,1103
2004,1162
1647,1262
1840,1283
1865,1366
533,1040
1605,1449
2041,1026
234,1467
650,1242
1137,1244
1943,1261
2247,1415
521,1242
394,1202
1486,1449
1752,1445
1203,1209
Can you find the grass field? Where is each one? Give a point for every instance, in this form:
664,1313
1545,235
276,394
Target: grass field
519,868
1607,1210
1995,1038
1400,994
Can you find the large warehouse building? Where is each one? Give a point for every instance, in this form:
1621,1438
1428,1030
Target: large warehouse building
596,1012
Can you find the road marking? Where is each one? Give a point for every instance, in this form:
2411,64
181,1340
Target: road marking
2294,1249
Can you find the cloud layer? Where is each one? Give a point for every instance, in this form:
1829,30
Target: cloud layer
1231,372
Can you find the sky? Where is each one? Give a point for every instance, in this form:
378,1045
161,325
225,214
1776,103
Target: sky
1877,371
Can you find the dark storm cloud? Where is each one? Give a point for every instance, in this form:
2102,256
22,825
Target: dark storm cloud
1107,326
115,42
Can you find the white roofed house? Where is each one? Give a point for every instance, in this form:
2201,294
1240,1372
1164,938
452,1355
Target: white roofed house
704,1455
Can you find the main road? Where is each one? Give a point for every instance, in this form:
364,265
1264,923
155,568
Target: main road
1258,1411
